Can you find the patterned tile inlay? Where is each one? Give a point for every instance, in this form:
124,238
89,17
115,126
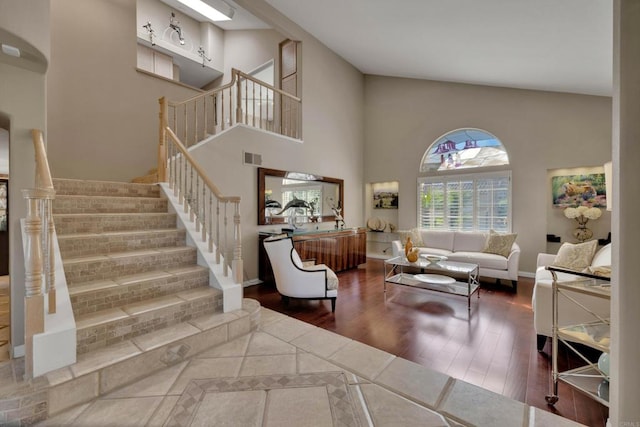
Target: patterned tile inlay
340,401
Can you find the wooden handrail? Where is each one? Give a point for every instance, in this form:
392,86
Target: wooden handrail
43,173
216,192
268,86
202,202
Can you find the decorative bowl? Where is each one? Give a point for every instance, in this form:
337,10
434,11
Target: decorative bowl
434,258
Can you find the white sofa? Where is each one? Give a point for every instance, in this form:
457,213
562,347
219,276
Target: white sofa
568,312
467,246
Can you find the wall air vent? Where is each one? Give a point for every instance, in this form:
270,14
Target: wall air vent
252,159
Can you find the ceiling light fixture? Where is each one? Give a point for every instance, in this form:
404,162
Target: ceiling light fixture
207,11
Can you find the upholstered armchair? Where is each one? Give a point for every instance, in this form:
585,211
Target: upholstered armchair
294,279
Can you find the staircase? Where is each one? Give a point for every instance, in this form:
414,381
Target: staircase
128,269
140,300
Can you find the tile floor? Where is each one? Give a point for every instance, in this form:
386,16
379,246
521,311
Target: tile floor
289,373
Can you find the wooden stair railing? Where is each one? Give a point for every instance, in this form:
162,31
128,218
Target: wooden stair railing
38,250
244,100
198,194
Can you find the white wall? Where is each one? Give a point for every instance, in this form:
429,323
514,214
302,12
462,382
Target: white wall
195,33
103,114
246,50
540,130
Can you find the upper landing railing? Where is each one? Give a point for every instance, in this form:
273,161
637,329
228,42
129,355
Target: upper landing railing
245,100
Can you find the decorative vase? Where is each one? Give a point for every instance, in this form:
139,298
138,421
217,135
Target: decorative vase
603,363
582,233
603,390
413,255
408,246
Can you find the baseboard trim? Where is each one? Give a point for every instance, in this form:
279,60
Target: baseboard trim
17,351
526,274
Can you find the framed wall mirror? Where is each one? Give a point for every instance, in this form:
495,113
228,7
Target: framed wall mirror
298,197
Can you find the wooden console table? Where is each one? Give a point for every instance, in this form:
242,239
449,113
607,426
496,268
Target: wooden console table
338,249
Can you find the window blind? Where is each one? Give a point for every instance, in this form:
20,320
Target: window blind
477,202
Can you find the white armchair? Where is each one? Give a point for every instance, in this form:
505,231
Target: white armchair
293,279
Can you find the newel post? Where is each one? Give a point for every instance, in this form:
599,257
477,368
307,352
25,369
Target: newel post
34,298
162,147
45,195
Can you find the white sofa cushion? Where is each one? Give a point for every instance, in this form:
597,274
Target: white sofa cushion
434,251
493,261
469,242
437,239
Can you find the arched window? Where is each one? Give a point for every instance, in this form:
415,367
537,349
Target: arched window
473,201
462,149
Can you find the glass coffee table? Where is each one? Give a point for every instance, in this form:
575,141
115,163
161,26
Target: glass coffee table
443,275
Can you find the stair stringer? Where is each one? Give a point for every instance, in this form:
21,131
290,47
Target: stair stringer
56,346
231,292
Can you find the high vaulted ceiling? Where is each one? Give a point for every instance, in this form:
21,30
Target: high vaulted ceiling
555,45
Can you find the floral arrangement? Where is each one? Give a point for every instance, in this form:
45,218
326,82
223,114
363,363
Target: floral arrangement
582,214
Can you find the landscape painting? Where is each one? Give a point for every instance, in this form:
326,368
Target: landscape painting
385,195
579,190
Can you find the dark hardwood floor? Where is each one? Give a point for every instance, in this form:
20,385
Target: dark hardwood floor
494,347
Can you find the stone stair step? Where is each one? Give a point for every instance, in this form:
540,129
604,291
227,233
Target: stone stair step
107,204
74,245
106,222
99,295
103,267
107,327
104,188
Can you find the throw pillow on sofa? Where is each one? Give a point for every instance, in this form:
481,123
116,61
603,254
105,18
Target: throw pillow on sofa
499,244
576,256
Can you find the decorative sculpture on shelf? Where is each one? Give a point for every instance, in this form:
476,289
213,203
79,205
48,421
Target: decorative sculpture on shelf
582,215
336,209
295,203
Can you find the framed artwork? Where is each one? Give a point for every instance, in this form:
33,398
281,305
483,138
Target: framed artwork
579,190
385,195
